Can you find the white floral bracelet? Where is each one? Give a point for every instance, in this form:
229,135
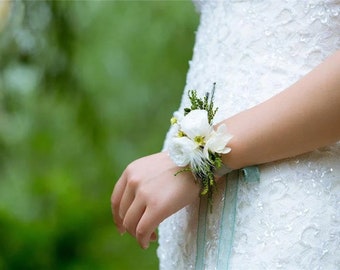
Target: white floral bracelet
196,145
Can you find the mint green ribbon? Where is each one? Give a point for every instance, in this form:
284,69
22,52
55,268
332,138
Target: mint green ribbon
227,223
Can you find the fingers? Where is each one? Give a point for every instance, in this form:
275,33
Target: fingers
153,237
128,211
133,216
127,197
116,197
141,221
145,230
141,217
137,206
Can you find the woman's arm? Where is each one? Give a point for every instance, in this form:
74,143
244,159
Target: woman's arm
300,119
303,117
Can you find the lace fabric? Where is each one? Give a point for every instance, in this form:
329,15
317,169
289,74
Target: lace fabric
291,218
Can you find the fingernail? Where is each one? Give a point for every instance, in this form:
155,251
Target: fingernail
145,246
122,231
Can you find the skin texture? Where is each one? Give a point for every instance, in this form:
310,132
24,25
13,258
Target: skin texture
301,118
147,192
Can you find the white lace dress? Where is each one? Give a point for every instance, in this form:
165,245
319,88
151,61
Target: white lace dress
290,219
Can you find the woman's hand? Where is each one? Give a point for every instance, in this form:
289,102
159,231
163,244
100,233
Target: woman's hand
148,192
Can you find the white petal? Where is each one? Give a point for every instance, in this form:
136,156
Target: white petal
218,140
195,123
180,150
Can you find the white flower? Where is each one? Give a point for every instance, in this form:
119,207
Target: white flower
195,139
217,141
184,151
180,149
195,124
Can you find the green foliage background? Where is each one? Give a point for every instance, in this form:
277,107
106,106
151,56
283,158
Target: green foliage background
85,88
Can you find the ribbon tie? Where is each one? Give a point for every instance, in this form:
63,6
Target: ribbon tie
227,223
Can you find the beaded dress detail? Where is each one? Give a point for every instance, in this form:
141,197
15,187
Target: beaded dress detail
290,219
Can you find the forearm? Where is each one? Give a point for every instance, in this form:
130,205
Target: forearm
300,119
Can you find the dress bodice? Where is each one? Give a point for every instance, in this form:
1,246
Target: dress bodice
254,49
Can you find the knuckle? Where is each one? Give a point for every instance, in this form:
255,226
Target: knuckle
153,204
133,181
129,169
143,194
141,232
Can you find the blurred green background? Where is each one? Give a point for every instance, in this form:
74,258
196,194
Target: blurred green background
85,88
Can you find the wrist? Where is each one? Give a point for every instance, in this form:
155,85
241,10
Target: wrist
240,154
196,146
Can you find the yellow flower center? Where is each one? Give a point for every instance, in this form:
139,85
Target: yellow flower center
173,120
199,140
181,133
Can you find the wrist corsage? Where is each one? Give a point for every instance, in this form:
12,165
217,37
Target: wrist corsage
196,145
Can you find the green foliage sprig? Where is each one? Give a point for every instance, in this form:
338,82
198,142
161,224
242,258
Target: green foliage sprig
207,103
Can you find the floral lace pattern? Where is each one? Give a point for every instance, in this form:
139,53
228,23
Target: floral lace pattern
291,218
